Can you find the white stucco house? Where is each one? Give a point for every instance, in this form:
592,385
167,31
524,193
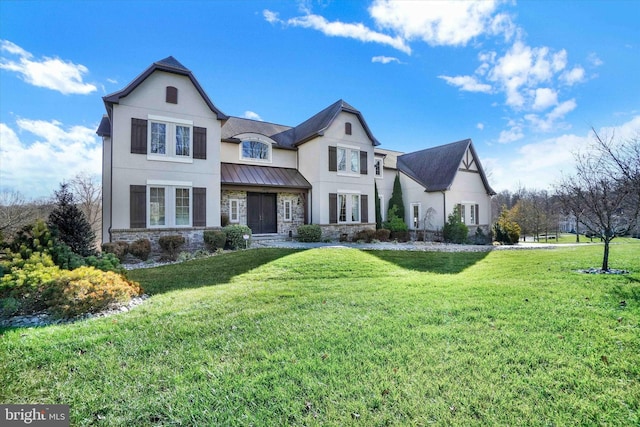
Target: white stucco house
174,163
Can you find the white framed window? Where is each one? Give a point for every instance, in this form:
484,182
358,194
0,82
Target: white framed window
288,211
348,207
348,160
469,213
377,167
255,150
234,210
170,139
416,212
169,204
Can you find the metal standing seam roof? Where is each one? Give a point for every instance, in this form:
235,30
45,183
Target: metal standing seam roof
261,176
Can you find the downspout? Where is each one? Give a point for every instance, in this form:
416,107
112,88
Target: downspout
110,176
444,208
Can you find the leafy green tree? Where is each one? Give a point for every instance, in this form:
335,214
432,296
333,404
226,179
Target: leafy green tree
378,210
70,224
396,199
455,231
506,230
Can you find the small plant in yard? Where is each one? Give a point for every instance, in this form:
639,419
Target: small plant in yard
214,239
309,233
235,236
506,230
171,245
455,231
119,249
140,249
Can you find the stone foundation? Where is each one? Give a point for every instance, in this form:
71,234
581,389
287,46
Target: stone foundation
342,231
193,237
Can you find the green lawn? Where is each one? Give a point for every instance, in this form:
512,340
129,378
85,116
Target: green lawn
340,337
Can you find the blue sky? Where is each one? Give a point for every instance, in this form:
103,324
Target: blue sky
524,80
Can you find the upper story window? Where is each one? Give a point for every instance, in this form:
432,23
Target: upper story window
348,160
347,128
377,167
255,150
170,139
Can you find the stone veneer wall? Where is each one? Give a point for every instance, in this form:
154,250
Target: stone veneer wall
193,237
337,231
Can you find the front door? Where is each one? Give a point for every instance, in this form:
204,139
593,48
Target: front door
261,213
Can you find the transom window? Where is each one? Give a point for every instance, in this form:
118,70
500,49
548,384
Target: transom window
348,160
169,206
170,139
256,150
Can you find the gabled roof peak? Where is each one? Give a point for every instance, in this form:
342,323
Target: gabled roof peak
172,62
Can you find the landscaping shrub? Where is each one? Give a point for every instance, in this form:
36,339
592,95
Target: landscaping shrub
105,262
119,249
309,233
364,235
454,230
140,249
87,290
215,239
171,245
395,222
480,238
506,230
234,236
70,224
383,234
400,236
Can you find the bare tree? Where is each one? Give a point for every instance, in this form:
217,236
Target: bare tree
605,189
87,192
16,212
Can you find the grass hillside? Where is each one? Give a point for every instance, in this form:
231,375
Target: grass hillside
340,337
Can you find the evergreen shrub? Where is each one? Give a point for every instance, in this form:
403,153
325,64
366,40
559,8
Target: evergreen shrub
309,233
235,235
171,245
214,239
140,249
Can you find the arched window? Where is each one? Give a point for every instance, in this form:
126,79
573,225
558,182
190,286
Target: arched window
256,150
172,95
347,128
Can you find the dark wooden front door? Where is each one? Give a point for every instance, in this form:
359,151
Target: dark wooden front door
261,213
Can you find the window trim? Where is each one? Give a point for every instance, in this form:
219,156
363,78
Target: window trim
171,125
380,161
415,221
350,152
349,205
170,206
287,215
231,203
251,159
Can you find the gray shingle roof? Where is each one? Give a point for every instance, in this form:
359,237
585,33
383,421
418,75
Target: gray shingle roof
283,135
261,176
104,129
169,65
435,168
317,124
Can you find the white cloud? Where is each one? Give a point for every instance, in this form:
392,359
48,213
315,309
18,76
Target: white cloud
51,73
480,126
575,75
551,119
253,116
271,17
545,98
467,83
385,59
55,154
594,60
511,135
112,81
342,29
440,23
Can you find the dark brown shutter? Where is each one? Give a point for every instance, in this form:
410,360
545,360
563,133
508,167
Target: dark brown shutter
333,208
364,208
137,206
172,95
138,136
477,216
333,159
347,128
363,163
199,143
199,206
